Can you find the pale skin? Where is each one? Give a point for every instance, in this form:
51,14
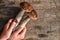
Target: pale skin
7,33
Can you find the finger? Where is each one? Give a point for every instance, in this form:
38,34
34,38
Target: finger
12,26
23,32
7,24
18,30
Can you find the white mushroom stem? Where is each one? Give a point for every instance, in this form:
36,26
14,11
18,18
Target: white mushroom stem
23,23
19,18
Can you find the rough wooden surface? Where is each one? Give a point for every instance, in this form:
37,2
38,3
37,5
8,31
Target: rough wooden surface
47,27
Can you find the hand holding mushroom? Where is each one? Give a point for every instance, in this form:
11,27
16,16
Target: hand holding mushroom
23,18
15,29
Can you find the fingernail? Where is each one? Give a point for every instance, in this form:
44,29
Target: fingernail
15,21
10,20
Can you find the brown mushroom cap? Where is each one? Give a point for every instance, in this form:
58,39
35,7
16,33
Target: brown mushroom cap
26,6
33,15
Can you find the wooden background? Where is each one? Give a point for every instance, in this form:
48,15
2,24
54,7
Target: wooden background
47,27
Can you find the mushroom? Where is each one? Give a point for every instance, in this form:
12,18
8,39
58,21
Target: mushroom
26,6
32,15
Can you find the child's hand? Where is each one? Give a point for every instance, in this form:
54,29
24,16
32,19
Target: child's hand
7,30
18,34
